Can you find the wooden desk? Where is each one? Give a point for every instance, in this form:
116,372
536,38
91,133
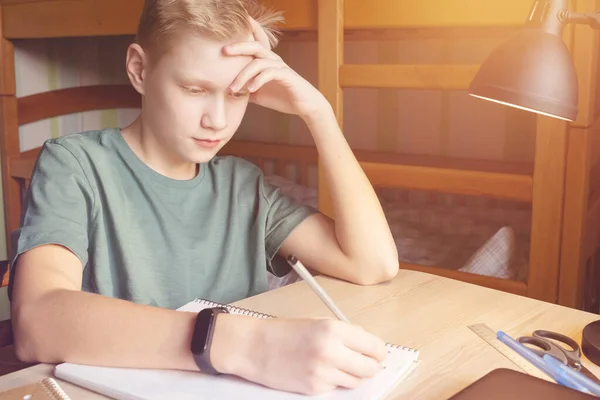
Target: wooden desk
422,311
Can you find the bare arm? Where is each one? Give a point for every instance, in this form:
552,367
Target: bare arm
358,246
54,321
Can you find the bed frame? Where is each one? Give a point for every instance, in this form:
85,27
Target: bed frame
560,183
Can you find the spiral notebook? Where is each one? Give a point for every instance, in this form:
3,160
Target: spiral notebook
46,389
144,384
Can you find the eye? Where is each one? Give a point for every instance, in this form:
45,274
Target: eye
193,90
240,95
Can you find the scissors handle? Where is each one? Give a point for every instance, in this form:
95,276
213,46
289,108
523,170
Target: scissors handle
543,346
574,347
573,353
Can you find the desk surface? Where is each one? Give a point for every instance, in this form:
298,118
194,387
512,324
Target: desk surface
418,310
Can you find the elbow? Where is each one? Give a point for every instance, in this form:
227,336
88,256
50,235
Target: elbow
25,352
24,340
377,271
24,348
28,338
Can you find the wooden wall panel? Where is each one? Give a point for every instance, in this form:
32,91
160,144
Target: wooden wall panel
44,18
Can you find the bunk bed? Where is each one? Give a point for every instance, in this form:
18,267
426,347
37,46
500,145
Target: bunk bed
558,185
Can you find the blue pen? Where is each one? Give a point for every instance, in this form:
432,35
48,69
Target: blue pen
561,376
526,353
572,378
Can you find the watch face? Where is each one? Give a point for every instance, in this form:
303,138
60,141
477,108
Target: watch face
201,331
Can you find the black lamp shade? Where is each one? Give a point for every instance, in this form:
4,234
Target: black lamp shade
533,71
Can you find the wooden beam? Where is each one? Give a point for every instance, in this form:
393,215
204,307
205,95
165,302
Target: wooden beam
9,141
547,215
409,33
444,162
585,48
8,86
330,57
75,100
22,167
45,18
391,13
444,180
572,255
9,147
595,144
443,77
505,285
591,240
67,18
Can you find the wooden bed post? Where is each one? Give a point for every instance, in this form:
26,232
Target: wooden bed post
547,205
9,134
573,258
330,57
574,251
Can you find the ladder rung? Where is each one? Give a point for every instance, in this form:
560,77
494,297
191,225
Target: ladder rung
410,76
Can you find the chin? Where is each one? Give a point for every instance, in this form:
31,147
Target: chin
201,158
205,151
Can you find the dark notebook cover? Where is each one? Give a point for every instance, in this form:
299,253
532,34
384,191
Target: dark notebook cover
504,383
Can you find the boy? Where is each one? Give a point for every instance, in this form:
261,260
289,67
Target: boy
123,226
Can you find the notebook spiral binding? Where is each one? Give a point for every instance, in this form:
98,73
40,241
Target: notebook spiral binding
251,313
234,309
397,346
54,391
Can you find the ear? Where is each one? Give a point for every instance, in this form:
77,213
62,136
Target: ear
137,66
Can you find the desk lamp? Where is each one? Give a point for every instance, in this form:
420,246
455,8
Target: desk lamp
533,70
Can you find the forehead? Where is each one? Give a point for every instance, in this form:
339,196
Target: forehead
193,57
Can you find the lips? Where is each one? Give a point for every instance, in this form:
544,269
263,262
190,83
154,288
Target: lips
207,143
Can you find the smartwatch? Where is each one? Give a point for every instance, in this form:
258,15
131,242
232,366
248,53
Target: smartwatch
202,338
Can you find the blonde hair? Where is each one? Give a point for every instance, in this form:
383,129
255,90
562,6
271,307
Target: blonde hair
217,19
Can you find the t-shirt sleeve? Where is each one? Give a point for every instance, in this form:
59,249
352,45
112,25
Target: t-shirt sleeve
283,215
57,206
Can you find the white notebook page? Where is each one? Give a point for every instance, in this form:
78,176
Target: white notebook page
145,384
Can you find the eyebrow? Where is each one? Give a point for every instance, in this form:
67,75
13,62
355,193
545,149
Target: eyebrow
206,84
198,81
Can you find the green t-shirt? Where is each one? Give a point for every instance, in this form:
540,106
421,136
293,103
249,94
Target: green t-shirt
144,237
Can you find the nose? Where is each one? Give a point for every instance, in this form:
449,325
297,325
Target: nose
215,115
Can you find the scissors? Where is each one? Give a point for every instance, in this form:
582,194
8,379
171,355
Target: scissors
544,341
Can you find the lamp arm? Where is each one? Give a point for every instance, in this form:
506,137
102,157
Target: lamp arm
590,18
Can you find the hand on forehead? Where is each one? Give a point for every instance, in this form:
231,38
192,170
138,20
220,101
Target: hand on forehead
259,33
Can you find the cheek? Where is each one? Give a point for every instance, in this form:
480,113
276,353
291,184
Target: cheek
237,109
173,106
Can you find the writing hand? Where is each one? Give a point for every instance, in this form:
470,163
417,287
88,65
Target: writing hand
270,81
307,356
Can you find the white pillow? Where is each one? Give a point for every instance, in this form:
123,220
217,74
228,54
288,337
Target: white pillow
495,257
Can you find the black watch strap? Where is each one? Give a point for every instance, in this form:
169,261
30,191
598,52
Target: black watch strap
202,338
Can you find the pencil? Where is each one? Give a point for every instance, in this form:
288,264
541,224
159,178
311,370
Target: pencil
308,278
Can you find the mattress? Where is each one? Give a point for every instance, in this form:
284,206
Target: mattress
472,236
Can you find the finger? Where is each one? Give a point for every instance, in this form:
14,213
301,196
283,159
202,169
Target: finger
263,78
251,71
259,34
357,364
316,389
343,379
361,341
253,49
